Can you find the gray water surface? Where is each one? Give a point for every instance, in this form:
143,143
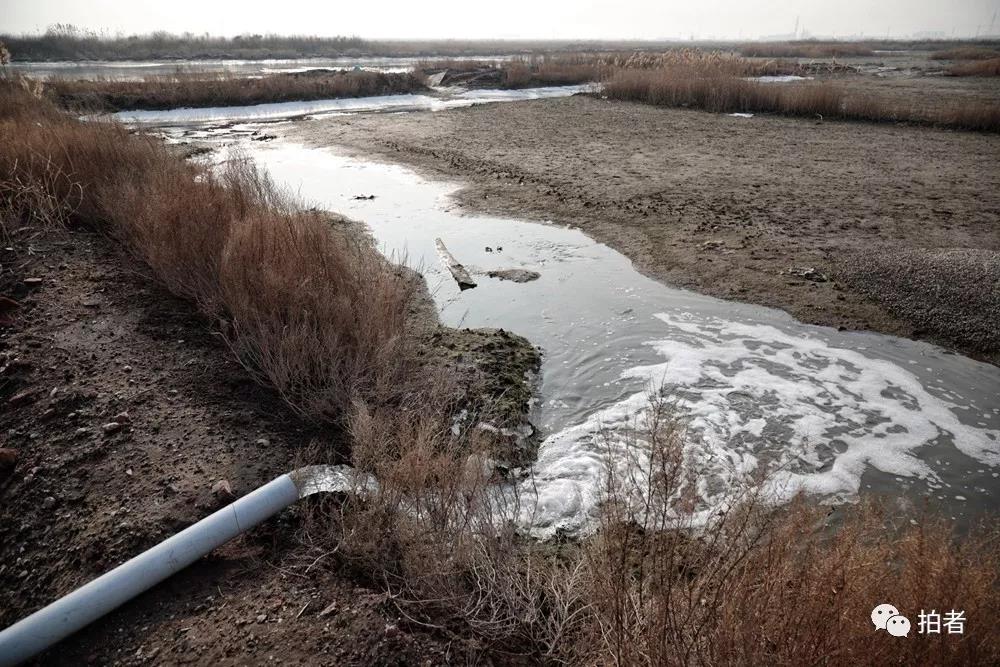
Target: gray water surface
835,414
830,412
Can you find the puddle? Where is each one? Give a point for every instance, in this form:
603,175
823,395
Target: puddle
757,388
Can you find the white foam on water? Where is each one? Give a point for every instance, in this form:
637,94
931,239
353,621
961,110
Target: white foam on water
815,416
827,412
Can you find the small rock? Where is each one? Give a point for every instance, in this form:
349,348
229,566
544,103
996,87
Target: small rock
223,490
391,630
111,427
515,275
49,502
22,396
122,418
263,442
82,431
809,273
261,618
330,608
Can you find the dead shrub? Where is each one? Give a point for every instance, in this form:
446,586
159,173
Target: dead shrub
315,313
657,582
308,310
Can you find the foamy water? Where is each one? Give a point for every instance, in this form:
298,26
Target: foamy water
751,396
825,412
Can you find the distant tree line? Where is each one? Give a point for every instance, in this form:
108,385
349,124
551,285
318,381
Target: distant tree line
67,42
63,41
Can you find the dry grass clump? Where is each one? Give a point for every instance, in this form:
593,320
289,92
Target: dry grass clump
307,308
988,67
719,91
550,71
653,585
806,49
966,53
722,93
203,89
706,63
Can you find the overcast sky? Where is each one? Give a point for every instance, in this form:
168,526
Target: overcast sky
528,19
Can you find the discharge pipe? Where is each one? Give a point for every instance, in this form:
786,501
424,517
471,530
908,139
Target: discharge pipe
45,627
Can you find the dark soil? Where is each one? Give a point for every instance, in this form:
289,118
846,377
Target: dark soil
120,411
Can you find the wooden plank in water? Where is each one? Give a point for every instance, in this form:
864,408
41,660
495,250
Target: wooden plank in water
458,271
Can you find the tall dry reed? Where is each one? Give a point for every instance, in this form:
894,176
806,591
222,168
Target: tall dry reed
309,309
721,92
202,89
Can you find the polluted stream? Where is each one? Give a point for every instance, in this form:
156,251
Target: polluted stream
829,413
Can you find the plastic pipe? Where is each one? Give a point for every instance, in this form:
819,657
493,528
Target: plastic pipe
45,627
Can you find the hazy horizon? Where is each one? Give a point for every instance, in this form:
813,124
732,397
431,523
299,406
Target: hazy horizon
521,19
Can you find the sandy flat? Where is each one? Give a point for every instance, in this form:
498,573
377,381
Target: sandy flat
736,207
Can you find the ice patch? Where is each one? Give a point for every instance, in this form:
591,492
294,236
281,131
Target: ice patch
781,78
278,110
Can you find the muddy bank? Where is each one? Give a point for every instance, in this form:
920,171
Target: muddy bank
124,420
745,209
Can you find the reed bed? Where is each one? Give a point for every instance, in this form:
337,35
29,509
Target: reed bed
204,90
966,53
720,92
989,67
806,49
552,70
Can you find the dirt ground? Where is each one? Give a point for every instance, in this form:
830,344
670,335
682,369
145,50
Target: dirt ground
791,213
123,412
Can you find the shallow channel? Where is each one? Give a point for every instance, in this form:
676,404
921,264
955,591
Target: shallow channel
831,413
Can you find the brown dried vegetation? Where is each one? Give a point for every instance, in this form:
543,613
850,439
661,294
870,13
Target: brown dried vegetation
321,318
720,91
204,89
